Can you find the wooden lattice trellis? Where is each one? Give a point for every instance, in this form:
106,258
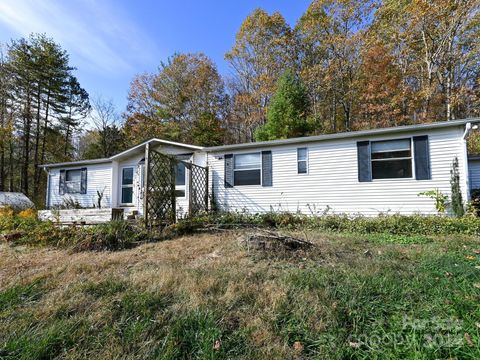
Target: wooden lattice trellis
198,189
159,196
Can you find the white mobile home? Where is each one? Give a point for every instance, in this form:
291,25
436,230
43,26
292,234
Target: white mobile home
363,172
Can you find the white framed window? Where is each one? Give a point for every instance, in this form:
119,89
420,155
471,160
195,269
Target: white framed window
392,159
180,179
302,161
73,181
127,185
247,169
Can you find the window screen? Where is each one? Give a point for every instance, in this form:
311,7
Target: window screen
180,174
127,185
180,177
302,161
73,180
247,169
391,159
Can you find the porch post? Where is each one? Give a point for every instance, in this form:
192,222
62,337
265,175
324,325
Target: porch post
190,190
146,184
173,165
206,188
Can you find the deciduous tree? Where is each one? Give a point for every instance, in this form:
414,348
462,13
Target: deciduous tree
263,49
169,103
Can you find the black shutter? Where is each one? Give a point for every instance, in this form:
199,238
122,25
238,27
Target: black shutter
61,183
364,161
83,183
228,170
422,158
266,168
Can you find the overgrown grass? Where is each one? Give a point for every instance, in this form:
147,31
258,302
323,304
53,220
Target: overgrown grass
207,297
118,235
391,224
114,235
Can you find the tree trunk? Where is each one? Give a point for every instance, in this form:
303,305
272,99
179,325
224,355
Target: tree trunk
37,145
67,135
45,126
11,186
3,122
448,96
26,146
334,113
429,65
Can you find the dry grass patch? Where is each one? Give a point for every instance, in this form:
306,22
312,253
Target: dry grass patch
205,296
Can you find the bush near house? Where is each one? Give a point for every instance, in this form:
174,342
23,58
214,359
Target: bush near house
25,229
116,235
391,224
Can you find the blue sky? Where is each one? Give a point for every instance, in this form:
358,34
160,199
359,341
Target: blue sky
110,41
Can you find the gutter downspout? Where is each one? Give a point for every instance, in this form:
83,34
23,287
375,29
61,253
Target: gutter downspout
468,128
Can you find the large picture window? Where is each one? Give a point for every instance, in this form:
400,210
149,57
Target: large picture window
127,185
391,159
73,181
247,169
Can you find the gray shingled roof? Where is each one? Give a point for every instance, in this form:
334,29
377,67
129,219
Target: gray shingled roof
344,135
298,140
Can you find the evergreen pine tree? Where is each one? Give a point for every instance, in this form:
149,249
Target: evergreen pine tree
287,112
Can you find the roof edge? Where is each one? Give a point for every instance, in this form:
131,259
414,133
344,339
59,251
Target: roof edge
167,142
74,163
344,135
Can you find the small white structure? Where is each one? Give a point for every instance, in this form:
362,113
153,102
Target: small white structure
362,172
17,201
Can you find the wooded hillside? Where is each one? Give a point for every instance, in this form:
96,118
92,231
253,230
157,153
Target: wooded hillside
363,64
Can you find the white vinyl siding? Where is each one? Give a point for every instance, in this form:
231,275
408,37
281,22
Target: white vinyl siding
333,183
99,178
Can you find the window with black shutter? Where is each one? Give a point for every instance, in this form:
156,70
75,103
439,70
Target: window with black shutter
391,159
247,169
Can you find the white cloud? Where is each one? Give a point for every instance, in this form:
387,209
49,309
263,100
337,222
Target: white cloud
95,32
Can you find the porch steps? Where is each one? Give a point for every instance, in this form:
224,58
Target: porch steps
133,215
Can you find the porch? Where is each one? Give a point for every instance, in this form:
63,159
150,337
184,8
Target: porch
151,185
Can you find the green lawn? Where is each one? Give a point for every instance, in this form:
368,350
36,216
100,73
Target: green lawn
205,296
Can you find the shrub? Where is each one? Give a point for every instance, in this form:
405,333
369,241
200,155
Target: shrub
6,212
10,221
114,235
392,224
441,200
475,203
27,214
457,201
